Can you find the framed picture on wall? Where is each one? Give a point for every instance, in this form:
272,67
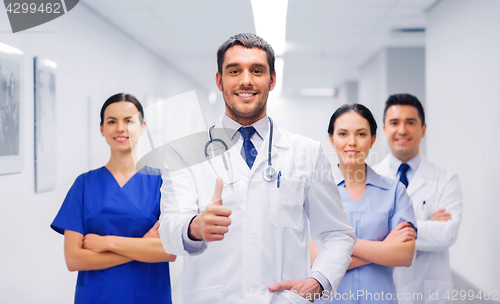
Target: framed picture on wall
11,135
45,124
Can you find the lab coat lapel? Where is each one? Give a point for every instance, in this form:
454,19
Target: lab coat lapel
421,177
280,143
239,163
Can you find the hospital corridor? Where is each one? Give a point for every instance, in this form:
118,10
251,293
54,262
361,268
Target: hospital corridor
194,151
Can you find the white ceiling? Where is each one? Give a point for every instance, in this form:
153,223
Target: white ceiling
327,40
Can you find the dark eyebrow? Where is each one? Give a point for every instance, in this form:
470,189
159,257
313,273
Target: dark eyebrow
260,65
128,117
230,65
365,129
411,119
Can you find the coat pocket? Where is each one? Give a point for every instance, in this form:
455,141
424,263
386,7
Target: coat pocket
294,298
211,294
287,203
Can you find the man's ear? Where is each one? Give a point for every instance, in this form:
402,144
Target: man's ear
273,81
218,80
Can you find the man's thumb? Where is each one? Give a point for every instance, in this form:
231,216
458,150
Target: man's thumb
217,198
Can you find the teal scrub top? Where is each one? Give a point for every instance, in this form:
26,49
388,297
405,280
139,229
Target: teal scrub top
97,204
382,207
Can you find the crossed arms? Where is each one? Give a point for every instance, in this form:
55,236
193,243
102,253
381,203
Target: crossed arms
95,252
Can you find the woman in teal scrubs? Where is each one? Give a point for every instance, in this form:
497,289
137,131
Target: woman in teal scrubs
377,207
110,219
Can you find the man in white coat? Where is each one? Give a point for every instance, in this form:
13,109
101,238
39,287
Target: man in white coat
436,197
247,241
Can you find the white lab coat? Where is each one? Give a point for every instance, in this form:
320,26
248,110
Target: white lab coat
268,239
430,270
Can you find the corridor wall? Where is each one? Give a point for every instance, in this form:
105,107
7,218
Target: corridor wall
462,78
95,60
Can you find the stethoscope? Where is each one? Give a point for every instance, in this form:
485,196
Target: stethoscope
269,174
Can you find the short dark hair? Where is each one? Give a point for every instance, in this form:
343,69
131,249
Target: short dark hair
405,100
358,108
122,97
247,40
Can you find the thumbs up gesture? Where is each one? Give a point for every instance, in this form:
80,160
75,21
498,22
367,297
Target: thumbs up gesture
213,223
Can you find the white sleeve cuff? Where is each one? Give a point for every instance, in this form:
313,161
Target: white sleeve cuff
192,246
327,287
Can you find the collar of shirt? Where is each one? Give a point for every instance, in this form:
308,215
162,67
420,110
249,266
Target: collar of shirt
372,178
394,164
261,127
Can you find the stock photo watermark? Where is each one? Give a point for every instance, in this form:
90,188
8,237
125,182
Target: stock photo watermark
435,295
194,146
24,15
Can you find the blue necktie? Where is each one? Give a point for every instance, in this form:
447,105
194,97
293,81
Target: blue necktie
248,147
402,178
